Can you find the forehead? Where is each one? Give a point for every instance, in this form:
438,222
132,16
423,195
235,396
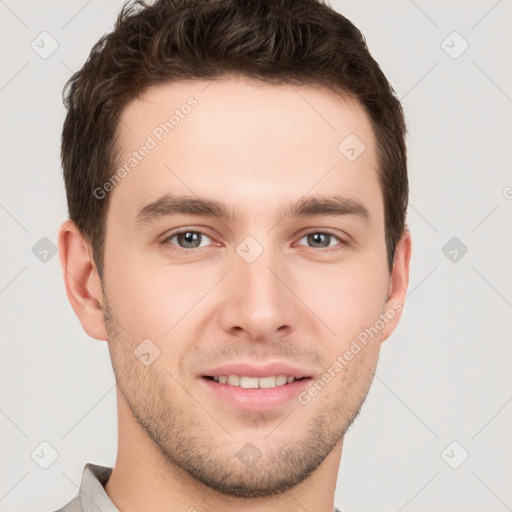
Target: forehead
246,142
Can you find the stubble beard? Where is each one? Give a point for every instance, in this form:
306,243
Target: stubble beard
188,439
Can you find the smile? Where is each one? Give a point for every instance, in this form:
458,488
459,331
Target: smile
247,382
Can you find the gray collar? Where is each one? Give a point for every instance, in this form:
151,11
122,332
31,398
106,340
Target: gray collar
92,496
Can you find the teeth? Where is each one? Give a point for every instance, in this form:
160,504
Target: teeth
246,382
280,380
267,382
234,380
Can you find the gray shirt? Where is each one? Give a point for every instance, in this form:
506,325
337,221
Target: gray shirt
92,496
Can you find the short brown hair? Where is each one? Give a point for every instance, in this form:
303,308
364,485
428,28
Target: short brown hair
301,42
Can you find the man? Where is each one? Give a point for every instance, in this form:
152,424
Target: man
237,187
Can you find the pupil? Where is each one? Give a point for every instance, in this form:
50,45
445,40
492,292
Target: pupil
190,237
317,237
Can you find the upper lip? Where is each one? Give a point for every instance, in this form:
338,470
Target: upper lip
257,370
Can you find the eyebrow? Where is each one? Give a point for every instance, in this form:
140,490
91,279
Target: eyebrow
169,205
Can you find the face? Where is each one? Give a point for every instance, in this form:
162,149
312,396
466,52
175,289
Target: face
244,262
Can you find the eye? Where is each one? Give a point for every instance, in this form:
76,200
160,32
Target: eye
187,239
321,239
194,239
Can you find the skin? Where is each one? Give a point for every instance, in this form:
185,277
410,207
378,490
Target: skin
256,147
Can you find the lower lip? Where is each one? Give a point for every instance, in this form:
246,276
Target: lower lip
257,399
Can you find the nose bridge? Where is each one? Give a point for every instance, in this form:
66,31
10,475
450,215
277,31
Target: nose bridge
260,303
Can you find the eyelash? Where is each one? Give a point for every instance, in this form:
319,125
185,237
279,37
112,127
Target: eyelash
167,239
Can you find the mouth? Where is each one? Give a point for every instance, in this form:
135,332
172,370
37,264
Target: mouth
250,382
256,388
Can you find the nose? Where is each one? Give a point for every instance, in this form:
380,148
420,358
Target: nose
260,303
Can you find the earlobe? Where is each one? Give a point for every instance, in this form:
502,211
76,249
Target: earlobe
83,284
398,284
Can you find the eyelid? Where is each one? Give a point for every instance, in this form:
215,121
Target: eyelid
185,229
300,236
342,241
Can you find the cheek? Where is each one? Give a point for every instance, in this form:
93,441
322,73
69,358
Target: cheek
347,299
149,296
151,300
135,294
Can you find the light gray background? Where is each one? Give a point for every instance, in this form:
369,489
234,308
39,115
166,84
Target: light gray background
443,376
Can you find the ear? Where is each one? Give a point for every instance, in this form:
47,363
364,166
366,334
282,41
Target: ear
83,284
398,283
